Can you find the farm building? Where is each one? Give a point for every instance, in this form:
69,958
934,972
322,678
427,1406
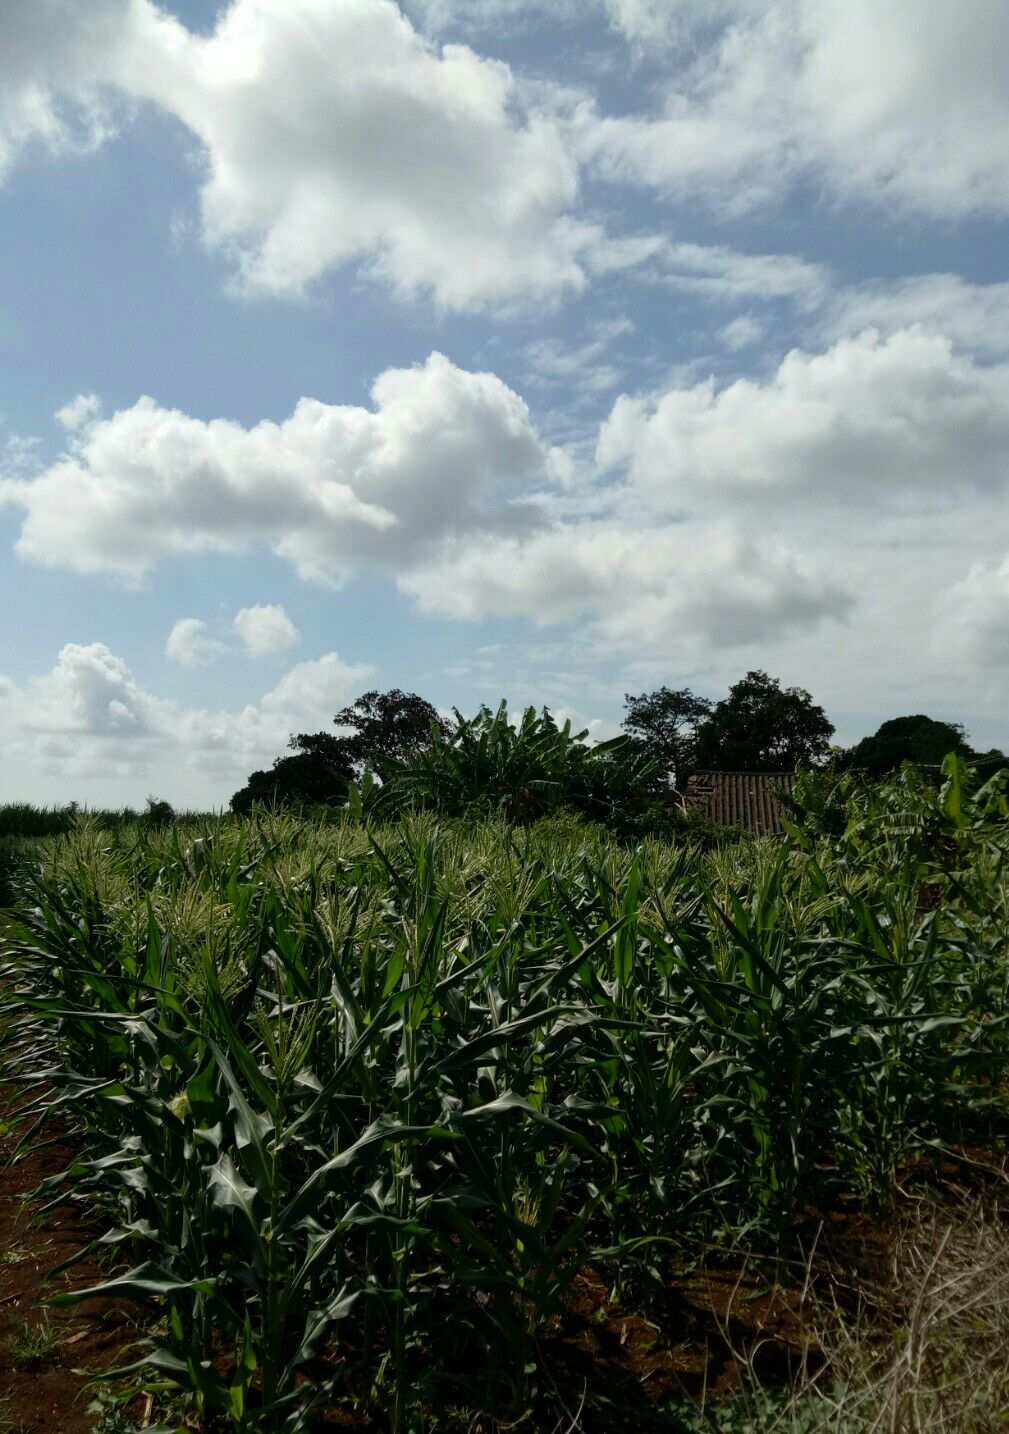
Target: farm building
748,800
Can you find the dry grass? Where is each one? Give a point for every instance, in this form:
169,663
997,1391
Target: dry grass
943,1366
925,1351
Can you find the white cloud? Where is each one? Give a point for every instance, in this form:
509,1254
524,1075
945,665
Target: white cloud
265,629
974,317
310,165
975,616
88,729
712,272
649,23
425,164
190,644
901,422
334,489
717,525
584,367
79,411
899,104
421,162
742,332
637,586
879,468
476,15
56,57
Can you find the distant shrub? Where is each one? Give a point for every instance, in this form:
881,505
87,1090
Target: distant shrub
159,813
14,853
23,819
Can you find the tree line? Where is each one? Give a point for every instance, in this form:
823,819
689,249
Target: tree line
397,749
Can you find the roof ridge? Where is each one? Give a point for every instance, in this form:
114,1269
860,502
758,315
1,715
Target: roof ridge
739,772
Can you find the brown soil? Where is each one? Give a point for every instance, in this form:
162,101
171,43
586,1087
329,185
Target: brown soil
47,1393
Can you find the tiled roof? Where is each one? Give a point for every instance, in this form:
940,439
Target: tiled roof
740,799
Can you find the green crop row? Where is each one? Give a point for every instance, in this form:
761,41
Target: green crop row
357,1104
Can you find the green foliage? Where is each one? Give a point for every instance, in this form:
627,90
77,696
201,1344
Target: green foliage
666,722
762,727
14,853
21,820
379,727
486,766
356,1105
306,779
918,739
159,812
761,1412
34,1343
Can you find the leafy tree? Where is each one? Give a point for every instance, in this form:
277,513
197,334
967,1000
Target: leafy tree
384,727
919,739
763,727
159,812
306,779
486,765
665,723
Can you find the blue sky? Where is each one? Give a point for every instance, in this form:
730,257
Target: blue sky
492,348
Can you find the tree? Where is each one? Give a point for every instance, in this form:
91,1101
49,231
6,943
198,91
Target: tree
919,739
665,724
486,765
762,727
385,727
307,779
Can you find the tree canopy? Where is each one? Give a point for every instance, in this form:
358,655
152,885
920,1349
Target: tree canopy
763,727
521,770
304,779
533,767
383,727
379,728
665,723
917,738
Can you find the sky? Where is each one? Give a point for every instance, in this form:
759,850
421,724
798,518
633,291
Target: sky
543,349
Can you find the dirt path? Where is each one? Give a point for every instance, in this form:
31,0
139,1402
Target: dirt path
43,1354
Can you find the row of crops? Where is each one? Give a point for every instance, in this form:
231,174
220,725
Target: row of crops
355,1106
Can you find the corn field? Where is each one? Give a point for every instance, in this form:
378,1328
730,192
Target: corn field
354,1105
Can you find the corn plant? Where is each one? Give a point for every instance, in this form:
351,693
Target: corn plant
355,1103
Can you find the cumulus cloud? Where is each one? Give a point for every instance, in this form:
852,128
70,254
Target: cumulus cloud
975,615
442,173
886,103
973,317
92,691
423,162
426,164
901,422
445,485
190,644
636,586
265,629
709,519
333,489
88,726
79,411
55,66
